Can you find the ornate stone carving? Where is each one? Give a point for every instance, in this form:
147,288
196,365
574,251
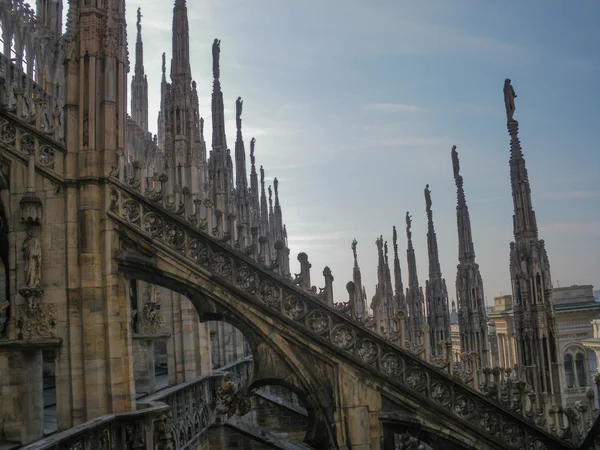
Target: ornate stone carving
46,157
391,364
8,133
36,321
233,268
32,255
230,400
294,307
367,350
153,320
317,321
342,336
27,144
441,393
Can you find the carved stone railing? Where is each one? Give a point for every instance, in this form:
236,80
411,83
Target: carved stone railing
29,102
147,428
327,326
22,139
192,408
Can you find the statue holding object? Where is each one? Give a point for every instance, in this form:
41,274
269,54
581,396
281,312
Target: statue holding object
509,100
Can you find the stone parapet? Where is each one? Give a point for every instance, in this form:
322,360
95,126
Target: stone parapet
148,427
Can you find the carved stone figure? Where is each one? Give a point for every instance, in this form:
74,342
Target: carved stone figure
216,50
455,162
32,254
408,224
427,197
509,99
238,112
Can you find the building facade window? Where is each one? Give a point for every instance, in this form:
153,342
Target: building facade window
575,366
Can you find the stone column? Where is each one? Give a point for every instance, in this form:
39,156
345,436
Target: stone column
143,366
21,394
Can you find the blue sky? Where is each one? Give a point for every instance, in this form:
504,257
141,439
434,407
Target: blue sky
355,106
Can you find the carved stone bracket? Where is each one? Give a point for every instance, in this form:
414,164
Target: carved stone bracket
36,321
231,401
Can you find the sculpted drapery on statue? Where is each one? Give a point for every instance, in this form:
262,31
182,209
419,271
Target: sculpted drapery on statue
238,112
427,197
32,254
216,50
509,99
455,162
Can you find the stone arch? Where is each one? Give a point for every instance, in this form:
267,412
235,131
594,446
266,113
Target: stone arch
271,363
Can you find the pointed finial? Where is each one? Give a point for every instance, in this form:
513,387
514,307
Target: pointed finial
164,66
238,112
252,158
285,232
427,198
455,162
395,242
216,50
354,244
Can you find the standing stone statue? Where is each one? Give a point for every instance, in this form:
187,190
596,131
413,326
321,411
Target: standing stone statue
238,112
216,50
427,197
32,254
509,99
408,224
455,162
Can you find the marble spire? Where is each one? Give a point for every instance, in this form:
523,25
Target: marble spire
139,82
472,315
534,316
436,294
399,288
414,294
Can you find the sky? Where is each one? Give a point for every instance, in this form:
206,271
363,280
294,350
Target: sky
355,106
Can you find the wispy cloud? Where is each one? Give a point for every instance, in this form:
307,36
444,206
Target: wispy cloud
411,141
562,229
572,195
486,200
392,107
484,109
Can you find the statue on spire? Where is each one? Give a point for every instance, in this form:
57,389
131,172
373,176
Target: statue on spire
395,241
276,186
262,177
238,112
139,22
354,243
216,50
408,224
201,126
270,198
427,198
455,162
509,100
164,65
252,143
